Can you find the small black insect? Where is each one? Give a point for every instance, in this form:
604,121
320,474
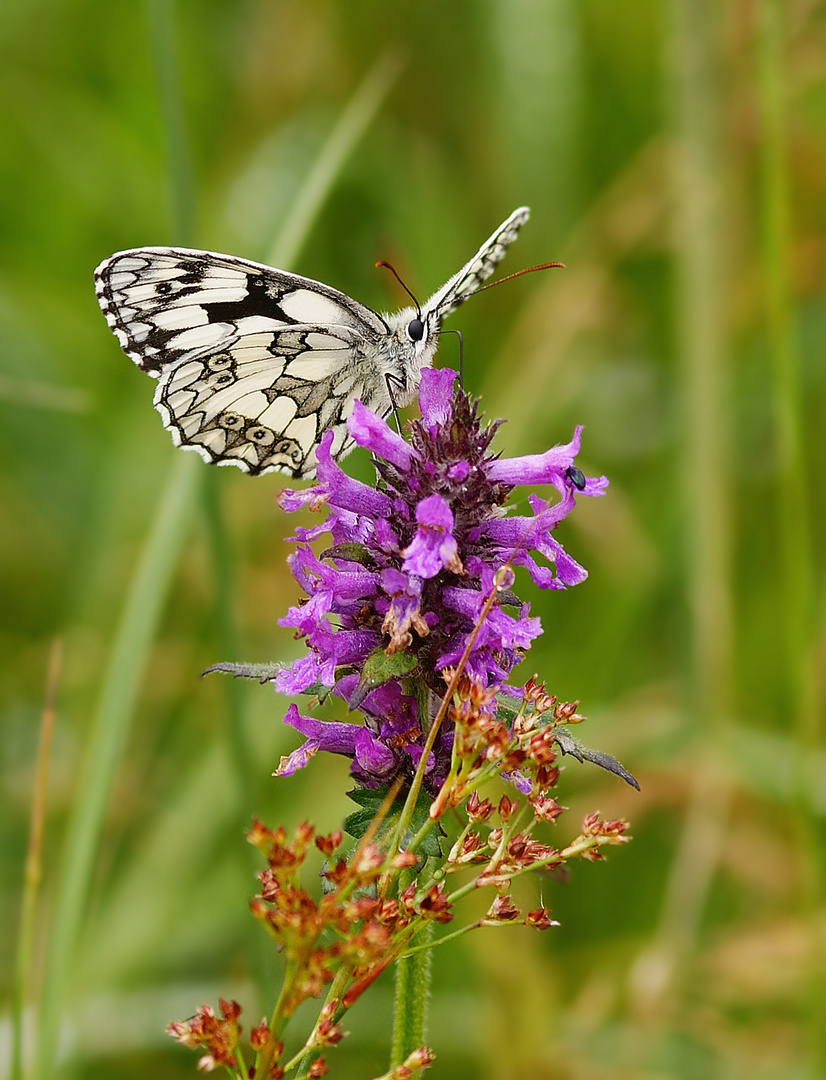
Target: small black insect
576,476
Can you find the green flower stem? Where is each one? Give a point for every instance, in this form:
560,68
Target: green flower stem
241,1069
413,974
441,940
308,1052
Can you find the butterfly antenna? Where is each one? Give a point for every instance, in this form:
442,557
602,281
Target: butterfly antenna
519,273
393,271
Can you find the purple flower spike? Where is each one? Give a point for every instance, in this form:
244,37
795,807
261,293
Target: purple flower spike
410,564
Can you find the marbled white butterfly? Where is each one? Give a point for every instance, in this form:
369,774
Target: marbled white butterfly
255,364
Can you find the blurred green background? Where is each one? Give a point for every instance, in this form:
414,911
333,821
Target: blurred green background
674,156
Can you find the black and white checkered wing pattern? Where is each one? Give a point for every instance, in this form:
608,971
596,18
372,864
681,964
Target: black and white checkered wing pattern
478,269
253,364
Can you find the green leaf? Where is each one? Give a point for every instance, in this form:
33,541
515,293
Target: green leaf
380,667
351,552
263,672
505,711
569,745
369,801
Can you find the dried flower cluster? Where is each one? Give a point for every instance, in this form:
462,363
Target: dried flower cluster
373,910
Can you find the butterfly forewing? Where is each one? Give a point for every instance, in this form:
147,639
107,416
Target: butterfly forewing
164,302
255,364
480,267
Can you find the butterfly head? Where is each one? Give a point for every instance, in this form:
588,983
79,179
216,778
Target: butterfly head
411,342
414,330
414,324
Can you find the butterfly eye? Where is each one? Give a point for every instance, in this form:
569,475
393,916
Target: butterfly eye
415,329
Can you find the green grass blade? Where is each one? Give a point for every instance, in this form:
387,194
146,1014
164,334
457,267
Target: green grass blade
107,738
34,869
179,169
150,586
354,121
796,600
702,348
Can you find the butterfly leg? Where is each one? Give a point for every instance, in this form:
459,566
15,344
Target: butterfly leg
389,381
458,334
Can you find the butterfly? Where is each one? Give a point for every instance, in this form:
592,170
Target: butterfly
255,364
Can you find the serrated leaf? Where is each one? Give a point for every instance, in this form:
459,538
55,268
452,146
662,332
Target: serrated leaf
264,673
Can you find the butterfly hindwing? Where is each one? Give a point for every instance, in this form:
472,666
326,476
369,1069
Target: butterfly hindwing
263,401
